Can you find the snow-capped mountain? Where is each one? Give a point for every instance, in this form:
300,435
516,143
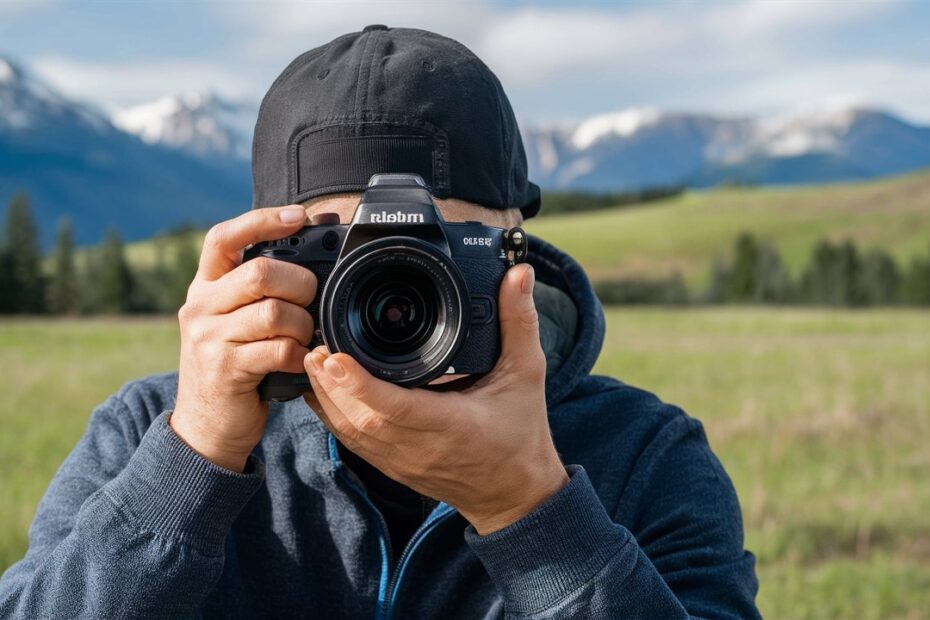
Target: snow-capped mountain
26,101
71,160
639,148
185,158
203,124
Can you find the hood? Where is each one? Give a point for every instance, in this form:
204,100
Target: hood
557,269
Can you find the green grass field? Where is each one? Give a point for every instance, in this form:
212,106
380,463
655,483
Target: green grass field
821,418
687,233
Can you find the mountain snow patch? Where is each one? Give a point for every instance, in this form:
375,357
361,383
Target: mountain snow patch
622,124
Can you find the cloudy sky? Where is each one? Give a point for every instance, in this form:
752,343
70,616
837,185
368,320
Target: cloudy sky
558,60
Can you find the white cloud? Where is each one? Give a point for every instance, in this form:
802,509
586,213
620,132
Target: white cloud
121,82
733,57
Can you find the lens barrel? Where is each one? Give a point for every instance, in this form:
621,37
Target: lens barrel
397,305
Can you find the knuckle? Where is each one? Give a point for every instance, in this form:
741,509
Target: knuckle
215,354
215,236
258,276
536,364
270,312
186,312
284,351
528,318
197,333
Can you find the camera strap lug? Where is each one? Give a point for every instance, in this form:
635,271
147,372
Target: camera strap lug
515,245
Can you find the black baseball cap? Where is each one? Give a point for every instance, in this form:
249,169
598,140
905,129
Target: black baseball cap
390,100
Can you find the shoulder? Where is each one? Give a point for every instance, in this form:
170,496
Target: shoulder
132,409
636,446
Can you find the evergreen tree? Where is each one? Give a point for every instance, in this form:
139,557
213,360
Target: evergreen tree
834,275
8,288
881,280
916,285
742,281
63,288
756,275
24,289
115,284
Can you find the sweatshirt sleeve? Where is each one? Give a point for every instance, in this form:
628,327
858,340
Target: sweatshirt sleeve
570,559
129,526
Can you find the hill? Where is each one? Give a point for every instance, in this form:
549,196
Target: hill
687,233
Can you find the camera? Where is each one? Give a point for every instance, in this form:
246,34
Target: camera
409,296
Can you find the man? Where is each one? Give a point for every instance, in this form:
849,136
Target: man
534,491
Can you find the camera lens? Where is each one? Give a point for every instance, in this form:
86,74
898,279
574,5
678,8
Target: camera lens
396,316
396,305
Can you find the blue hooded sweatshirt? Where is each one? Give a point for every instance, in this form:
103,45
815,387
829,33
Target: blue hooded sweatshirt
136,524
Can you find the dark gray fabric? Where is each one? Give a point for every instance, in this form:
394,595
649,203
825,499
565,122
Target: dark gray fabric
135,524
558,323
419,100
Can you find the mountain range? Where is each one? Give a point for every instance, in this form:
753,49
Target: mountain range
72,159
185,158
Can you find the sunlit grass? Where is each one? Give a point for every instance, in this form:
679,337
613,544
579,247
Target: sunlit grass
821,418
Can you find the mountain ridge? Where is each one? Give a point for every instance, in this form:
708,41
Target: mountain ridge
185,158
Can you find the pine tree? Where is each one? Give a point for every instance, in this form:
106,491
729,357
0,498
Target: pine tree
757,275
24,290
916,285
834,275
8,288
881,280
115,279
63,288
742,281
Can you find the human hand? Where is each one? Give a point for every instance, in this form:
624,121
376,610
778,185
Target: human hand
240,322
486,450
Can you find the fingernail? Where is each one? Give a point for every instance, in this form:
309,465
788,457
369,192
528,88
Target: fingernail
334,368
529,278
315,364
292,215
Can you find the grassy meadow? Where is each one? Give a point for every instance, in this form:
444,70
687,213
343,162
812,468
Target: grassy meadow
821,418
687,233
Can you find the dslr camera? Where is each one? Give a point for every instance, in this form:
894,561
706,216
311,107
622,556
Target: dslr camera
408,295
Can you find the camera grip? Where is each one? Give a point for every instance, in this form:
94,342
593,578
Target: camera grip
283,386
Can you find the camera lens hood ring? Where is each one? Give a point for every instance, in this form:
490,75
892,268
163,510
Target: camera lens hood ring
410,252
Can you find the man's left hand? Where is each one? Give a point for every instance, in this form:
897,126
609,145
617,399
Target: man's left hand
485,450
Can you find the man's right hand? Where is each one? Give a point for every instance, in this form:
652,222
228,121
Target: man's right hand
239,323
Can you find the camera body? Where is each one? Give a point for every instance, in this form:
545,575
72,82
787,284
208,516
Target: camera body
408,295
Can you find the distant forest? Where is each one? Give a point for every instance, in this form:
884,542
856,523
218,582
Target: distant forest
100,280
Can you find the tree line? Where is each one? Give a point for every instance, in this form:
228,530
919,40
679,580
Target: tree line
101,280
561,202
96,280
837,274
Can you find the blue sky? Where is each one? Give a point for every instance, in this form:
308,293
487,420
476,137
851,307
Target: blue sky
558,60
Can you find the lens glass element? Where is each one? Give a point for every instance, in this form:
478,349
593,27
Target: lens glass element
396,304
398,311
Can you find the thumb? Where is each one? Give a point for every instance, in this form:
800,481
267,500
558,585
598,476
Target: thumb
518,318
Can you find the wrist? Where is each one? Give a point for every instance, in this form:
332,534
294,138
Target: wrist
529,492
217,452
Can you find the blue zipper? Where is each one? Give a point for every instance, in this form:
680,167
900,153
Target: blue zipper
389,583
439,514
